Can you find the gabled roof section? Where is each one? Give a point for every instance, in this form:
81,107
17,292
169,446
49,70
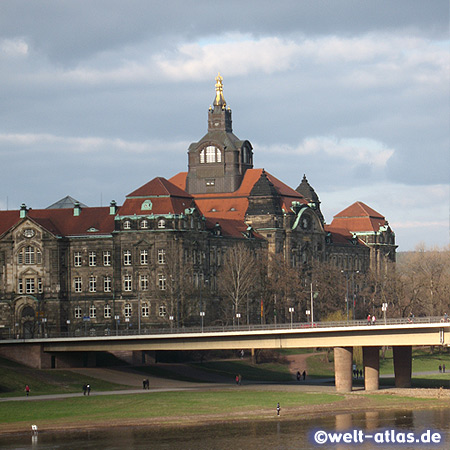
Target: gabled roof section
158,197
233,205
359,218
341,236
62,222
359,209
157,187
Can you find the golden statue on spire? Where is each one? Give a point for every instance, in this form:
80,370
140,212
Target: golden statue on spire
220,100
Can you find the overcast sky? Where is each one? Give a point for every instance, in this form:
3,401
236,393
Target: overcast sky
99,97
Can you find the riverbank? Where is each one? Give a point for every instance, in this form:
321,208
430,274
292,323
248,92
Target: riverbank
204,406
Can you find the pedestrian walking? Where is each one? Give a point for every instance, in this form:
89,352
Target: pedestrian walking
84,389
374,319
278,409
304,375
369,319
440,368
237,379
27,390
88,389
298,376
144,384
443,368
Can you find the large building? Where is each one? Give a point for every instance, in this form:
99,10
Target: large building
83,269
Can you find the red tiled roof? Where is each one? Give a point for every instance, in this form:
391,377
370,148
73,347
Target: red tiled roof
159,186
359,218
233,205
165,198
62,222
341,235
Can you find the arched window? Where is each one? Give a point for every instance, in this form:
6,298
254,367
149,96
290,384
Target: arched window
144,224
210,154
107,311
145,310
161,223
127,225
29,255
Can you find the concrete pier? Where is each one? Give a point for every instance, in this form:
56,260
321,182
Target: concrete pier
402,365
343,361
371,362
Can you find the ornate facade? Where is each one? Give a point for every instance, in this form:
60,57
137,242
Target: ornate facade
93,270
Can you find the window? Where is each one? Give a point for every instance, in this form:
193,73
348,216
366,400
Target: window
107,258
162,282
162,311
213,155
92,312
77,284
127,258
144,224
77,259
145,310
92,283
29,285
20,285
161,223
144,282
107,284
161,256
92,259
77,312
127,225
39,283
29,255
144,257
127,310
127,281
107,311
210,182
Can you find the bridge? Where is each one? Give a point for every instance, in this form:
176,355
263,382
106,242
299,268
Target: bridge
64,351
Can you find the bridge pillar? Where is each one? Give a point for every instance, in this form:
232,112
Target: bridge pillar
371,362
343,360
402,365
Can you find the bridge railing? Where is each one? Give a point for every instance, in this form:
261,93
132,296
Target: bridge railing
96,332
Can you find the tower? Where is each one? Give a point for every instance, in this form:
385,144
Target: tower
217,163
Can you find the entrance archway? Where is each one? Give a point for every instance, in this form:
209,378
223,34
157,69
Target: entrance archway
28,322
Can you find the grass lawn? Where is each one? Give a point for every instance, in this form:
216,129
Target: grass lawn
155,404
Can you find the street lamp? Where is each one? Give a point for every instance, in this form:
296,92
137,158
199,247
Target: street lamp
346,294
384,309
171,322
68,327
117,320
291,310
238,316
44,321
202,314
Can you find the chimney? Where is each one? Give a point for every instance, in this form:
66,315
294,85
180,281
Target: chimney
112,208
23,210
76,209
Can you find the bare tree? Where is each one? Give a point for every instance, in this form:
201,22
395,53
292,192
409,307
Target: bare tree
238,277
177,273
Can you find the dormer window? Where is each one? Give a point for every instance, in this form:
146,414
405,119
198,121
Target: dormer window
161,223
144,224
210,154
127,225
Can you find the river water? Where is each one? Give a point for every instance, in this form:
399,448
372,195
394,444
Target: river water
276,434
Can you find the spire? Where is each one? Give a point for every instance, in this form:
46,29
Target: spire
219,100
219,117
